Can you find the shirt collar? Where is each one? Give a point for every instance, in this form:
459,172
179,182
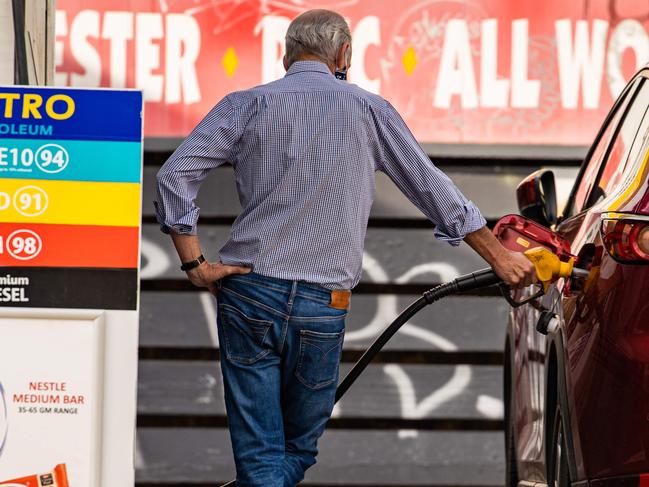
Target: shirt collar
304,66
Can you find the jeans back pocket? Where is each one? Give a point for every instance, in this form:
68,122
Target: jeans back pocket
244,336
319,358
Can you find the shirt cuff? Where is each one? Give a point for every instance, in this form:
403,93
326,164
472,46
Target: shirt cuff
178,229
455,233
185,226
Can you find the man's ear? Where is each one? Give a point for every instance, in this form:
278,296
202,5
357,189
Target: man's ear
285,63
341,59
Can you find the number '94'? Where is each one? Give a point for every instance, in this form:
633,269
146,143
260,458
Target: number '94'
50,158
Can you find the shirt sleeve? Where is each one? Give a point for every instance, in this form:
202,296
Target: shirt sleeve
426,186
208,146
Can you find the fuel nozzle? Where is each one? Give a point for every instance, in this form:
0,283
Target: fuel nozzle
549,267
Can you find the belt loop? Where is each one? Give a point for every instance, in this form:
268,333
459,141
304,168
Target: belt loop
293,293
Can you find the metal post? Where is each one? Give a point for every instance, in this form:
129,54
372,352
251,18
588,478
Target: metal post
20,48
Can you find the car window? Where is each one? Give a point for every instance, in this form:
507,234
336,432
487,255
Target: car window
590,173
625,148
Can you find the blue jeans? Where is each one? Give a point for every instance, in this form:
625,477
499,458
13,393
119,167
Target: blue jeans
280,350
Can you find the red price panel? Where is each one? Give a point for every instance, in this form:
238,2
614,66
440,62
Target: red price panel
44,245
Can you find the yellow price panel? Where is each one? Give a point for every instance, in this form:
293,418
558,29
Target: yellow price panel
69,202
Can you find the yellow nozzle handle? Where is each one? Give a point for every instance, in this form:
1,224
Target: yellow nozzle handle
548,266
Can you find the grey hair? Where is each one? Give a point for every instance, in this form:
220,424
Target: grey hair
320,33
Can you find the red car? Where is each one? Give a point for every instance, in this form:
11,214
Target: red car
577,359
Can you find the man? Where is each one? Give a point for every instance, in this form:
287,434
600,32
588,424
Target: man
304,151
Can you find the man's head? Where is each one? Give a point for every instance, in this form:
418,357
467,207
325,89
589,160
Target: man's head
320,35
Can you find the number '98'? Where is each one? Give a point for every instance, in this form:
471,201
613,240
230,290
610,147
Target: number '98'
21,244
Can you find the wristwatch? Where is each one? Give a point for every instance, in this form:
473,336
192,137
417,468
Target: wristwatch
192,264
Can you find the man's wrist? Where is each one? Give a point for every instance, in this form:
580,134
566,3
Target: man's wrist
197,273
192,264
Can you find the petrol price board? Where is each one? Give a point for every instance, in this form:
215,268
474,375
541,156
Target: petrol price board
70,197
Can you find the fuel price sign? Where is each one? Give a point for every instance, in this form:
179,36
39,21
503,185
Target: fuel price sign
70,175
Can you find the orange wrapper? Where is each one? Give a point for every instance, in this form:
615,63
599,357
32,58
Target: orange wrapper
56,478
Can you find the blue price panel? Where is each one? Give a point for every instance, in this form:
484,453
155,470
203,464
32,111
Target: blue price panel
70,160
73,114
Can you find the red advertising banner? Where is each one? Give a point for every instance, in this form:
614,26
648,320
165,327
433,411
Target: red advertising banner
485,71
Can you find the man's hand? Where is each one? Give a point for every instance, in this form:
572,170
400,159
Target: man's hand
512,267
206,274
515,269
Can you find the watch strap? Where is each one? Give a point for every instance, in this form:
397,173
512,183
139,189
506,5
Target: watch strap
192,264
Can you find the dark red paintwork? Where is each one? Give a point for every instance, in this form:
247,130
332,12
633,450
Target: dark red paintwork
599,356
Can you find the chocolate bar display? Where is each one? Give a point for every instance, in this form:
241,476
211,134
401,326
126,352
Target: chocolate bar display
56,478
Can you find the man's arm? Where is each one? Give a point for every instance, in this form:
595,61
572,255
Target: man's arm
512,267
208,146
455,217
179,179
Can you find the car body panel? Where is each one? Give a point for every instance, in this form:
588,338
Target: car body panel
601,348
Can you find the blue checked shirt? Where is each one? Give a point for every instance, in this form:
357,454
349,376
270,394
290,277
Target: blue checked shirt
304,150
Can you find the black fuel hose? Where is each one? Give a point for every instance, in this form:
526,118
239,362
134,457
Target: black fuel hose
467,282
